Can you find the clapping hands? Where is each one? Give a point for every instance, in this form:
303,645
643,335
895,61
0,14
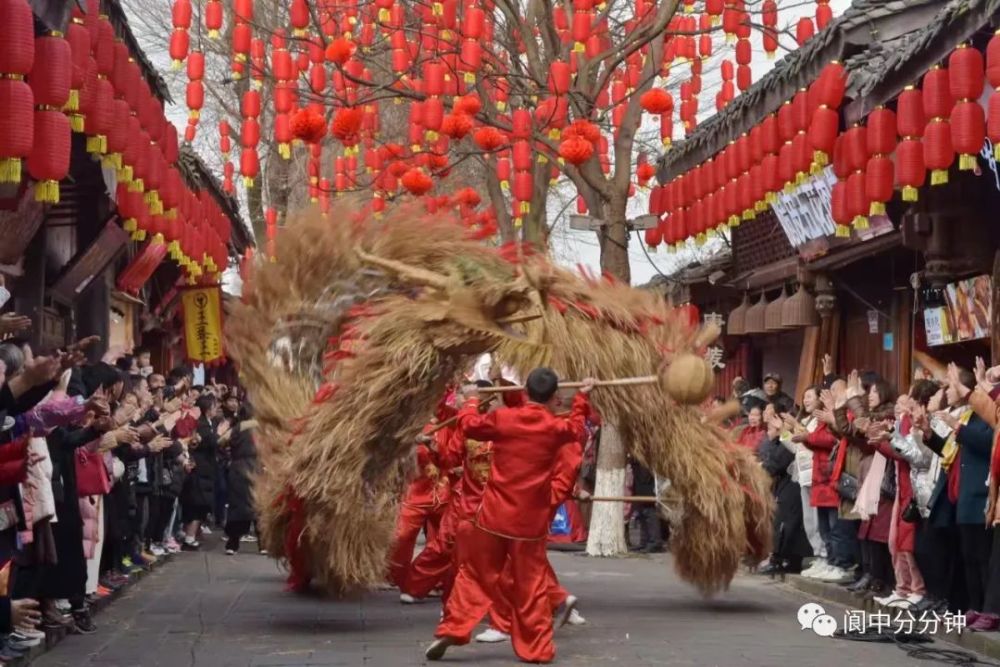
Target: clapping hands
12,323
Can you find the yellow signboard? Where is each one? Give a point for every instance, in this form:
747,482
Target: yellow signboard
202,308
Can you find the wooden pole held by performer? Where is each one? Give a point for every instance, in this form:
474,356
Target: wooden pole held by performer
619,382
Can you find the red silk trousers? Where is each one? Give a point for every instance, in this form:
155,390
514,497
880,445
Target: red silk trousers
482,558
435,565
410,521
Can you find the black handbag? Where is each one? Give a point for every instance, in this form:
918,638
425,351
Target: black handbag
888,487
847,486
911,513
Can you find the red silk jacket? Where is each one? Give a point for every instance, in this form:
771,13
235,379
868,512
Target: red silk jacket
517,499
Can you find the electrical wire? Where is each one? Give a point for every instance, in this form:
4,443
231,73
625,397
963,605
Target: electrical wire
910,644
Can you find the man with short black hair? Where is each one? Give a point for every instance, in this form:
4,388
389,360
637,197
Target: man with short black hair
513,519
782,402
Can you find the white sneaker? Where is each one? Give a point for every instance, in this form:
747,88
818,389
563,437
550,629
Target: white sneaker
566,610
230,552
890,600
205,530
31,632
815,568
914,598
406,599
833,573
576,618
817,572
492,636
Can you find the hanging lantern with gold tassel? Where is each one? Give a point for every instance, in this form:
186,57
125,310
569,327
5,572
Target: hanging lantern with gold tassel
16,99
968,120
48,162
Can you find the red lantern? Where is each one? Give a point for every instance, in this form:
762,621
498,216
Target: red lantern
966,75
488,138
804,30
858,203
938,150
938,101
881,131
744,77
346,124
249,166
840,210
878,183
48,162
657,101
910,119
339,51
993,75
18,52
823,130
50,78
16,127
309,126
968,121
968,132
417,182
911,171
559,77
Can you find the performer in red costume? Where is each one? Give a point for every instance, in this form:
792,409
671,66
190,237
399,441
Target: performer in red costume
512,521
423,505
564,476
435,566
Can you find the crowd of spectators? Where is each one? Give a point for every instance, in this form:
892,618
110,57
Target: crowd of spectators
891,495
104,468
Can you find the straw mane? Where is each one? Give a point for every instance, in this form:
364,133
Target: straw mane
347,340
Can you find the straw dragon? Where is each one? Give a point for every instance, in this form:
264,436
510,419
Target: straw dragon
348,338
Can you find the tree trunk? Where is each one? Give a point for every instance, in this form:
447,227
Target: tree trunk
607,519
614,241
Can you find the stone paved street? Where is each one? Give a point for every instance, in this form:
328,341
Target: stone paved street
209,610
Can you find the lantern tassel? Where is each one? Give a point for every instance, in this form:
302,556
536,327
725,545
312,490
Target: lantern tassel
76,122
939,177
996,151
470,78
130,225
860,222
734,221
877,208
843,232
47,192
10,170
285,151
966,162
910,193
73,101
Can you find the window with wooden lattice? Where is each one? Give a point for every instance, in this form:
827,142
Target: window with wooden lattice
759,242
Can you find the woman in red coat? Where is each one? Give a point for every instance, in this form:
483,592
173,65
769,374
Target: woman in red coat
824,497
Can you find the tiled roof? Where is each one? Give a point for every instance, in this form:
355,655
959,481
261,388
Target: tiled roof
884,44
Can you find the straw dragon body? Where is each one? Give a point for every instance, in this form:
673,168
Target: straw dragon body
347,340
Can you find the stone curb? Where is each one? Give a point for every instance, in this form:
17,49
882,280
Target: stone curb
54,636
987,643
